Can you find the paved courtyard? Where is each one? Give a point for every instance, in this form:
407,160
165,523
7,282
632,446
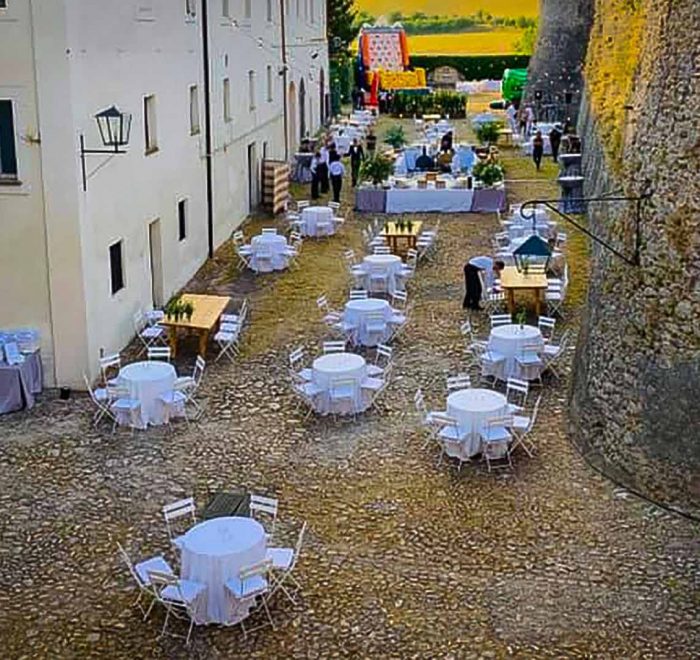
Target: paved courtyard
403,559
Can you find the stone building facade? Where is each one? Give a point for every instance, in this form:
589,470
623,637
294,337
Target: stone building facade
635,398
554,74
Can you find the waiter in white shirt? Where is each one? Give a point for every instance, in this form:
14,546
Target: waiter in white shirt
337,170
323,167
472,282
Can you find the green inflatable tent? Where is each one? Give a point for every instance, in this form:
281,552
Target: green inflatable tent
513,83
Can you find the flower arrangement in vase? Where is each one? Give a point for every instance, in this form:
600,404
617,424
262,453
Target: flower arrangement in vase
177,309
521,317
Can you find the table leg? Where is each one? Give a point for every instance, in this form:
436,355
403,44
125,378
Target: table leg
203,341
172,339
538,303
510,296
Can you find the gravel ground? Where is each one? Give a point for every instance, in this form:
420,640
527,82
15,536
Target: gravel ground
403,559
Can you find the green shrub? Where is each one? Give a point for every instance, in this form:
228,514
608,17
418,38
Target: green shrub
441,103
487,133
473,67
488,172
395,136
376,169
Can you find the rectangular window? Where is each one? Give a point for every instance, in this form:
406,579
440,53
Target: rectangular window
269,11
298,8
225,9
194,110
116,268
227,100
251,90
270,83
247,8
3,4
149,124
312,10
182,220
191,8
8,152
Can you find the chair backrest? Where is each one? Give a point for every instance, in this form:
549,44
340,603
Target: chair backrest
500,319
130,566
259,568
506,421
520,387
459,382
163,579
333,346
419,402
334,205
110,362
349,256
158,353
381,249
530,348
264,504
297,547
139,320
375,317
302,203
238,237
115,392
91,391
383,351
295,236
269,231
322,302
535,410
296,356
243,311
400,297
199,366
358,294
411,254
466,328
546,323
342,384
443,419
180,509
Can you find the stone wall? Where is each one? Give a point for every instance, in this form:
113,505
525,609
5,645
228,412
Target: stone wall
635,402
554,74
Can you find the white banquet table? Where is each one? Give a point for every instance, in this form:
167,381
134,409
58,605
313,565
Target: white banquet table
273,244
356,312
312,215
390,264
146,381
509,340
215,551
333,367
472,409
429,200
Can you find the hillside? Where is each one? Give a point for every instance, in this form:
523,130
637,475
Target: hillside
451,7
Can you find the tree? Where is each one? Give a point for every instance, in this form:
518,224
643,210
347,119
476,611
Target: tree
341,24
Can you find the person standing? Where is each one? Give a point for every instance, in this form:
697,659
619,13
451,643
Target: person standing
357,155
472,281
529,120
537,149
371,143
555,142
323,167
315,162
336,170
511,114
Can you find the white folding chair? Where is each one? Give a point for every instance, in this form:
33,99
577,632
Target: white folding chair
125,410
450,437
110,363
179,597
522,428
382,358
459,382
296,361
182,511
516,394
264,510
139,572
375,326
269,231
149,335
334,205
284,561
546,326
253,583
500,319
189,385
100,399
553,354
342,394
378,279
302,204
227,340
330,316
530,362
399,300
333,347
158,353
358,294
495,440
381,249
173,403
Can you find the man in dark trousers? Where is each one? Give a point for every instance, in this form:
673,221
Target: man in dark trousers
472,282
537,149
315,162
555,142
357,155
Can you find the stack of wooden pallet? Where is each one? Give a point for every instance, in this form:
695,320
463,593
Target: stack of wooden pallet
275,185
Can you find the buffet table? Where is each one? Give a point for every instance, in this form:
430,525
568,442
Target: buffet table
370,200
19,383
429,200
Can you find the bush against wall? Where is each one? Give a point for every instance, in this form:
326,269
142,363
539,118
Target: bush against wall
439,103
473,67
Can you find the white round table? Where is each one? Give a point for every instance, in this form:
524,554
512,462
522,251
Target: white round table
312,216
388,264
333,367
215,551
356,312
472,409
146,381
509,340
274,245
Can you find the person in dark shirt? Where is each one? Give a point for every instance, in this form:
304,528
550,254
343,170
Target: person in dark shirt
424,162
357,155
537,149
555,142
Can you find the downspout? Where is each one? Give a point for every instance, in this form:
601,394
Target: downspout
207,129
283,27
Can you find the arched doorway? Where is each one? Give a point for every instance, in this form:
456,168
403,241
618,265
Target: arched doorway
322,95
292,135
302,110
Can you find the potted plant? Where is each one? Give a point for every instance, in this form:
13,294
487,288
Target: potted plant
376,169
409,226
395,136
488,172
487,133
521,318
188,309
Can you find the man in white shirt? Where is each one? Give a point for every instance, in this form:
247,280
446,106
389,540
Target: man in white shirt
472,281
323,167
336,170
511,114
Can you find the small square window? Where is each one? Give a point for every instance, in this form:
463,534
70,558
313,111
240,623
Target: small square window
149,124
227,100
194,110
8,149
225,9
247,8
270,84
251,90
182,220
116,267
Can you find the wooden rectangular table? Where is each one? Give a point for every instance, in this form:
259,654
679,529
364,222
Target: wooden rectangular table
512,280
401,240
207,310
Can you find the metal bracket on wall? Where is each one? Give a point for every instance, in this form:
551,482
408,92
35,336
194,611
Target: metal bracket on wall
83,151
528,211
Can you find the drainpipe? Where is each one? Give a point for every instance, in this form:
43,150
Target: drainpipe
207,128
283,27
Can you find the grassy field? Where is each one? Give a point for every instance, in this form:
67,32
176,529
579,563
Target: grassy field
487,42
451,7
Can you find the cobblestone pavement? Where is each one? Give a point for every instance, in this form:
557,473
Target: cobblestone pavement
403,559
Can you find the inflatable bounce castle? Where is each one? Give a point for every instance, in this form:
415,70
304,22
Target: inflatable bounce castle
383,61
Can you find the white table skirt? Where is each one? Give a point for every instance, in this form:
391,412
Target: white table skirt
146,381
472,409
340,366
509,340
390,264
312,215
275,245
215,551
414,200
356,312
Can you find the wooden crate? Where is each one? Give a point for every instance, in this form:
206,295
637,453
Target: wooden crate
275,185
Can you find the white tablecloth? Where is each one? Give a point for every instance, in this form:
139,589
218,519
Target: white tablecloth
275,245
312,215
472,409
215,551
146,381
356,312
524,229
340,366
342,143
414,200
383,263
509,340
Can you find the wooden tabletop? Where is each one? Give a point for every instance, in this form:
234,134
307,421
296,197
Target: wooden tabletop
207,310
392,229
512,279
